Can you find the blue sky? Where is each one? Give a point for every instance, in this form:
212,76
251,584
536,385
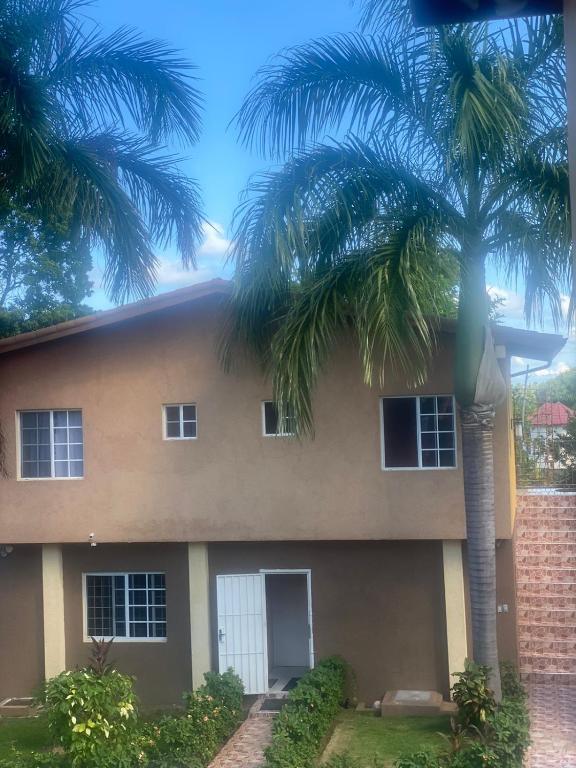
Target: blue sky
229,40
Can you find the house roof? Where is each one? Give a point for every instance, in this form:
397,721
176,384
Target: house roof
552,415
528,344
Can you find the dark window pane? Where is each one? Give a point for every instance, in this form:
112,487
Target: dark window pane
60,452
29,437
447,459
270,418
120,630
29,420
75,418
189,428
75,435
44,452
100,605
172,413
29,453
76,469
60,435
138,630
158,630
427,404
60,418
446,439
445,423
427,423
400,441
61,469
76,451
445,404
172,429
428,440
137,613
44,419
189,412
44,469
29,469
44,437
429,459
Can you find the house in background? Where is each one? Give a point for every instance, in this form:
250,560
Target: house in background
152,497
546,426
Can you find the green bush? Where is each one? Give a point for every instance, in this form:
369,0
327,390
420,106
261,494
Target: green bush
34,760
497,734
473,696
191,740
303,724
93,717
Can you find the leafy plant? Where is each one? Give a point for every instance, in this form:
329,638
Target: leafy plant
99,663
93,717
302,725
474,698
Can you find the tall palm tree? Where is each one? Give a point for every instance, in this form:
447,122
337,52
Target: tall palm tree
450,153
83,118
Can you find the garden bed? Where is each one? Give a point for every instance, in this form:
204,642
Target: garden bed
367,738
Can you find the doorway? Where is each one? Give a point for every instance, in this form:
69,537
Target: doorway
265,628
288,629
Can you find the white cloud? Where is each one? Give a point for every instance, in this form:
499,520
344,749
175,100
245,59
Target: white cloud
560,367
210,261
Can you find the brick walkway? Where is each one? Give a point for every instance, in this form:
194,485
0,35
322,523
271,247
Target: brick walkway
553,715
246,748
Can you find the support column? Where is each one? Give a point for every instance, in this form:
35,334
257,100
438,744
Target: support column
53,610
455,601
198,580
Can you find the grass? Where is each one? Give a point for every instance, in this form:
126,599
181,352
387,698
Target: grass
27,734
365,737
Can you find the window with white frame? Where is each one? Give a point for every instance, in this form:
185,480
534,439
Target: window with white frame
180,421
126,605
273,424
419,432
51,444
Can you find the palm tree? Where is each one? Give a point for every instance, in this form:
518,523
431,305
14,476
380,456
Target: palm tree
450,153
83,118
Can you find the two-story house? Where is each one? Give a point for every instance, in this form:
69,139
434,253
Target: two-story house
151,497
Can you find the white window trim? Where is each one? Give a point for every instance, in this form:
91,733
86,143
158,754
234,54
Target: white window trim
86,636
419,468
281,433
19,477
164,422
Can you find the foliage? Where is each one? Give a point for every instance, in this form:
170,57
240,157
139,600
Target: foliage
304,722
85,116
560,388
473,696
35,760
93,717
512,687
212,714
567,445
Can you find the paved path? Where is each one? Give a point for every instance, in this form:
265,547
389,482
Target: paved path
553,716
246,748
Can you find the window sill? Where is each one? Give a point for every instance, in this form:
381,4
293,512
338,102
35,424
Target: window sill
42,479
418,469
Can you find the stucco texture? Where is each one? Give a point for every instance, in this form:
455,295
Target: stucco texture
232,483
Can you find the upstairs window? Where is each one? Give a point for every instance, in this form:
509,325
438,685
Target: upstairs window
271,421
419,432
180,421
51,444
129,606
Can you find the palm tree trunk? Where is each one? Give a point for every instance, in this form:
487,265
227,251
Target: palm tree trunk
478,464
478,457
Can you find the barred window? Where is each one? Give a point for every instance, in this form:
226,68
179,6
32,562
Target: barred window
126,605
51,444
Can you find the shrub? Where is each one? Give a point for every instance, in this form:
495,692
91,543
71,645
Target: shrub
93,717
304,722
34,760
474,698
512,688
191,740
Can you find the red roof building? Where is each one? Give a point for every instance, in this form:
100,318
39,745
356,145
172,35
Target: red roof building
552,415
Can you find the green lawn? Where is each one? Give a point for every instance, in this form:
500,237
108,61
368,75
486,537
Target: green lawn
24,733
366,737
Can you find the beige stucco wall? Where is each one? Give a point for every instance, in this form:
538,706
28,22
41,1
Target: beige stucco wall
162,669
21,619
380,605
231,483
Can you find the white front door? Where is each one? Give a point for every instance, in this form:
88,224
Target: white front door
242,639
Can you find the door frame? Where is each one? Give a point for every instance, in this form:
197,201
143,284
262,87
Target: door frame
292,571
